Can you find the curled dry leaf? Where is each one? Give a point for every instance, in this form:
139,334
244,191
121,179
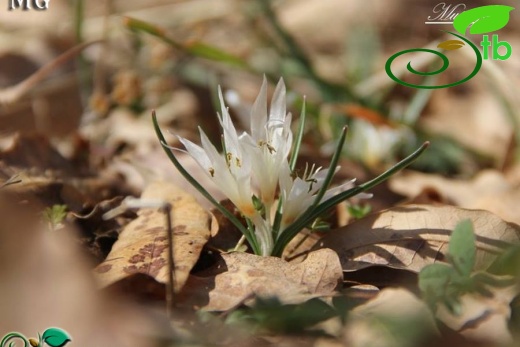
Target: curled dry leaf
250,275
142,247
410,237
489,190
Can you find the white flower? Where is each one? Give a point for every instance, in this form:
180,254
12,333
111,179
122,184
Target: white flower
270,141
374,144
231,171
299,193
259,161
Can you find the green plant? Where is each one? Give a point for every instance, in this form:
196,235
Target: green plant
359,211
445,283
55,215
257,165
271,315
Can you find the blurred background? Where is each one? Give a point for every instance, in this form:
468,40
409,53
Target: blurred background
331,51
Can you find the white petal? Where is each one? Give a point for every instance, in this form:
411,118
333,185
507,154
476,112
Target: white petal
197,153
259,113
278,105
216,159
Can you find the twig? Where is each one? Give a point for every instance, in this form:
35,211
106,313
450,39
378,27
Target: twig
14,93
12,180
166,209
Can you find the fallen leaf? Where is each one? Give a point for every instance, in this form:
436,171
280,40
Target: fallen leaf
489,190
412,236
142,247
35,152
482,318
151,165
250,275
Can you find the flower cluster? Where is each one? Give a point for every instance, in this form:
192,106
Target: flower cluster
255,166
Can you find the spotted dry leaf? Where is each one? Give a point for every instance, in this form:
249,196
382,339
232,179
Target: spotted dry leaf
142,247
250,275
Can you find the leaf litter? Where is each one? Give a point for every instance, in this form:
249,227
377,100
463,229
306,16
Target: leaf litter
43,270
142,246
412,236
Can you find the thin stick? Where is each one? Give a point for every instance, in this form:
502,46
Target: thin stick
170,288
12,180
14,93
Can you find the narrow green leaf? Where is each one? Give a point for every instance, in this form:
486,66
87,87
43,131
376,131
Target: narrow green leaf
55,337
332,168
462,248
194,48
299,137
314,212
483,19
206,51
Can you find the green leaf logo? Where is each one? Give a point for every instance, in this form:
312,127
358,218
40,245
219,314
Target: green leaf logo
483,19
55,337
451,45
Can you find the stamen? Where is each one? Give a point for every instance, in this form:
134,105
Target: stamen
229,157
311,181
211,171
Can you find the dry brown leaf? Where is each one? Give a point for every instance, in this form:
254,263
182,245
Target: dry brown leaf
142,247
461,192
482,318
150,165
489,190
412,236
250,275
504,204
